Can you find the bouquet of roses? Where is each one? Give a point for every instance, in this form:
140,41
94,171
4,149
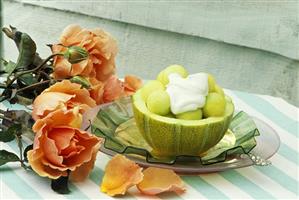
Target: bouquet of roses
57,91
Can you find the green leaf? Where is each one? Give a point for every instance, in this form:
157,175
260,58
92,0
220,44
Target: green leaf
27,52
28,148
6,136
9,67
6,156
28,79
60,185
15,129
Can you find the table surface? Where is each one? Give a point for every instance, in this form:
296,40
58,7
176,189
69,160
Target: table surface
279,180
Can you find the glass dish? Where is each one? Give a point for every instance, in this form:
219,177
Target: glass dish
247,141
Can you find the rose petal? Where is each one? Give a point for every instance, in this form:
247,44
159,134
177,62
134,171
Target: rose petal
113,89
158,180
82,94
58,118
62,94
90,143
78,68
105,69
82,172
35,157
132,84
69,32
48,102
62,141
120,174
97,90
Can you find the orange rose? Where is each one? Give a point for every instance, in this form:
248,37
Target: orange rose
62,95
59,148
113,88
101,47
132,84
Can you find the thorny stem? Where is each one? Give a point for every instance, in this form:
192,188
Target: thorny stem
32,70
6,118
45,74
2,85
2,127
20,145
33,85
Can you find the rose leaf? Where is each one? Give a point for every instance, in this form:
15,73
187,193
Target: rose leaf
28,148
6,136
6,156
60,185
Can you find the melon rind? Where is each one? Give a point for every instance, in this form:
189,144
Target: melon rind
175,137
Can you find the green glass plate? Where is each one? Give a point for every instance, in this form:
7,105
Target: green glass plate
115,123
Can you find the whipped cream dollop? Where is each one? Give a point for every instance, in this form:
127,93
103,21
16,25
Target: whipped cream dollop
187,94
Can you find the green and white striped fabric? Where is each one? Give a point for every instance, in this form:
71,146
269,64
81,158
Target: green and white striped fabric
277,181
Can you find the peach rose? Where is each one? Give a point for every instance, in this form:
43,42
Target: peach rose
59,148
101,47
132,84
113,88
62,95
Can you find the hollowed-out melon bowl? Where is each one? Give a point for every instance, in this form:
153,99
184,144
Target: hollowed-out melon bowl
175,137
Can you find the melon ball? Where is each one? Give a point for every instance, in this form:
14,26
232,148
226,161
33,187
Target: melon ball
219,90
212,83
150,87
163,75
170,115
158,102
190,115
214,106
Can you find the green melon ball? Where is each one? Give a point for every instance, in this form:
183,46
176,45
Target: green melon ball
190,115
163,75
219,90
150,87
228,99
158,102
160,76
170,115
214,106
212,83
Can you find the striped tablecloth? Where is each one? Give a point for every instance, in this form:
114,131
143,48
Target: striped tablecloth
277,181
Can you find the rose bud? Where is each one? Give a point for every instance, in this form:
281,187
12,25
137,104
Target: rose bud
80,80
75,54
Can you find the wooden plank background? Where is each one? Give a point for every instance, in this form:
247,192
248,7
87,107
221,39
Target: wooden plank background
158,38
267,25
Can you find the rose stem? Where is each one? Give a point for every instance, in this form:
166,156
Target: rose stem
33,70
6,118
33,85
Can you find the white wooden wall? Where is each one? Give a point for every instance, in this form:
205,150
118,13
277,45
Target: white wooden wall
249,46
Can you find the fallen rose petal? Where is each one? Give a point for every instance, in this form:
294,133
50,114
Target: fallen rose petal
158,180
120,174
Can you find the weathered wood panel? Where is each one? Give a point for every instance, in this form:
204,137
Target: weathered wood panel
145,51
267,25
